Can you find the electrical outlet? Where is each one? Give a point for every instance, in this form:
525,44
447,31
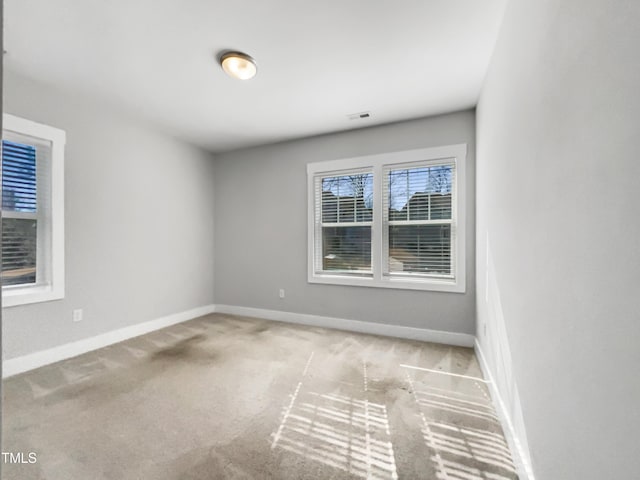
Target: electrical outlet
77,315
282,293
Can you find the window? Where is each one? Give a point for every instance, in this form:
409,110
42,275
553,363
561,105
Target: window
393,220
346,215
32,212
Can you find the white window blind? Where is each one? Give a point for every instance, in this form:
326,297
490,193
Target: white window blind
418,219
343,219
25,210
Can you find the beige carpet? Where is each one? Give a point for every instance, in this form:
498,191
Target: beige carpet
237,398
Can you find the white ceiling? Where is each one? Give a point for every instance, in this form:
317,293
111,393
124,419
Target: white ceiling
317,61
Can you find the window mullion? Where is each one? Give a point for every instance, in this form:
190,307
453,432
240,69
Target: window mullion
377,230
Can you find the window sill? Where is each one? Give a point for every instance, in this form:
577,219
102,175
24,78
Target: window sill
15,296
430,284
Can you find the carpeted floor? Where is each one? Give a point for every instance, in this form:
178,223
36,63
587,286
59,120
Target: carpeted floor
238,398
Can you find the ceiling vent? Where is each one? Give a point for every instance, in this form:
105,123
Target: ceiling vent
359,115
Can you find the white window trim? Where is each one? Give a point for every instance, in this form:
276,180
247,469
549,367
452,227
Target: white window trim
376,163
21,295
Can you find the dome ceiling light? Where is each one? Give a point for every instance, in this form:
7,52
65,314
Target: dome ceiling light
238,65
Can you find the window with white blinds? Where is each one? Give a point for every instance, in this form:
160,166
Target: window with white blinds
394,220
32,209
419,227
20,213
343,219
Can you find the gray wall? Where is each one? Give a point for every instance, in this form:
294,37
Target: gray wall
261,228
558,219
138,219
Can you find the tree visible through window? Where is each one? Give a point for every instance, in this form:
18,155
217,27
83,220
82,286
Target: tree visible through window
418,220
347,213
393,220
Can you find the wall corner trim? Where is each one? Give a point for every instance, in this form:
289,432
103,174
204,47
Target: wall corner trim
523,465
411,333
14,366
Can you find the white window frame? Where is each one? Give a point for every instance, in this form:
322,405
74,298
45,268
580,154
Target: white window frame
457,154
14,295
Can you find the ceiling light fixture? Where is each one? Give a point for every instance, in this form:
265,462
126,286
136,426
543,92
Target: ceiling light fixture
238,65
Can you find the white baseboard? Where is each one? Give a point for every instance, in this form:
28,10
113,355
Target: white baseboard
435,336
34,360
521,458
28,362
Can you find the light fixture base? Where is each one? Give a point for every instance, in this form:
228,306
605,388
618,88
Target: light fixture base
238,65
